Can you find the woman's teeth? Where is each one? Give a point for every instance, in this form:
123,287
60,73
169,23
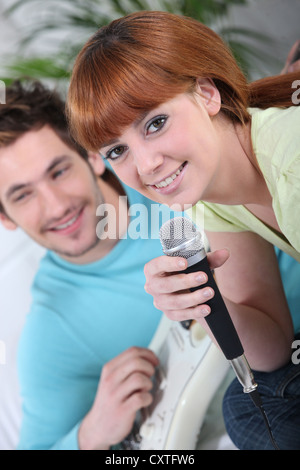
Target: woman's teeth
169,180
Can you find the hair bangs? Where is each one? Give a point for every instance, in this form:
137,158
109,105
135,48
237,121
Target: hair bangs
114,95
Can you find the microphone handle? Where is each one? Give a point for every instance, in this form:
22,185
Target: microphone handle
219,320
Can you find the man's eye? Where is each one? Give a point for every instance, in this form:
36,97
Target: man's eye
156,124
22,197
116,152
60,172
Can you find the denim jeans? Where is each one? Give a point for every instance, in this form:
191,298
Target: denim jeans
280,393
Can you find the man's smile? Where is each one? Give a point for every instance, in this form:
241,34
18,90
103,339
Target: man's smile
68,224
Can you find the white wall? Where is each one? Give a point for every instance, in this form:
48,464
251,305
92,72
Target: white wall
279,19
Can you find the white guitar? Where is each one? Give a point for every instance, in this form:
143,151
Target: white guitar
191,370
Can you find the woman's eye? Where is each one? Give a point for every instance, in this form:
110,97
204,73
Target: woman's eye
156,124
116,152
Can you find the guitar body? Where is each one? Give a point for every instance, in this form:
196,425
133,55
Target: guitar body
191,370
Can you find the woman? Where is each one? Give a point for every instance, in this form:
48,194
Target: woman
164,101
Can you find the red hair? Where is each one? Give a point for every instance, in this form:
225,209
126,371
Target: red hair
142,60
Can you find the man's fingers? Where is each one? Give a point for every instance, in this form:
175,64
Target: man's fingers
132,360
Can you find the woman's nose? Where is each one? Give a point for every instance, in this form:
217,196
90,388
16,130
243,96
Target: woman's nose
147,162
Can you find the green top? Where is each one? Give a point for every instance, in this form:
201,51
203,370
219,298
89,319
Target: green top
276,142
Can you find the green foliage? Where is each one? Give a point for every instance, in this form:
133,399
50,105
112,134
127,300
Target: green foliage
67,24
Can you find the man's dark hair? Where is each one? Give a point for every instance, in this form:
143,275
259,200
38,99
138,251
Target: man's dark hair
30,106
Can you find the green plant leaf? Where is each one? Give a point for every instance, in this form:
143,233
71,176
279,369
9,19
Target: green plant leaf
69,23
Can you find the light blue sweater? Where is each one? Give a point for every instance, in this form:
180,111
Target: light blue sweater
82,316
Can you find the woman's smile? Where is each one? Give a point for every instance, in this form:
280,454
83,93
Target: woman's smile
171,182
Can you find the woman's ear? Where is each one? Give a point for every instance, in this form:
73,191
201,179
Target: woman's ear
7,222
97,163
211,98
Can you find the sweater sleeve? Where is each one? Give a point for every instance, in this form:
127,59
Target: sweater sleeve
55,397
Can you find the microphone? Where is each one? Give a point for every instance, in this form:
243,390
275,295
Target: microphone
179,237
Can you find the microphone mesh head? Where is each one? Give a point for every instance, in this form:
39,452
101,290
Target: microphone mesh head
179,237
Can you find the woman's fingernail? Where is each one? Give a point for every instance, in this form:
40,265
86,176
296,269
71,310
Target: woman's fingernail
201,278
205,310
208,293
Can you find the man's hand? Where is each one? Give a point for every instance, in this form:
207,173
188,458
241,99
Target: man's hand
123,389
170,289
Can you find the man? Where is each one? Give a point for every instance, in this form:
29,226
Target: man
90,314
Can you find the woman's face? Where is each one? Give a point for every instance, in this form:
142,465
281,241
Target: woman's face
171,153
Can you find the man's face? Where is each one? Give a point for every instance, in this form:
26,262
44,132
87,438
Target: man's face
49,191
